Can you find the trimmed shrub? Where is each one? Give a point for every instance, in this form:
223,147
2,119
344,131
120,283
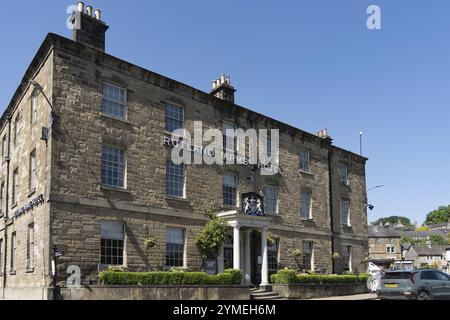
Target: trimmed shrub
167,278
290,277
286,276
236,275
274,278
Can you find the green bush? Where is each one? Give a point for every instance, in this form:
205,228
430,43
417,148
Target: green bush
290,277
236,275
167,278
274,278
286,276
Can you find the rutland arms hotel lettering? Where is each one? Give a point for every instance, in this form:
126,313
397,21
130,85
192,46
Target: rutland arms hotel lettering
29,206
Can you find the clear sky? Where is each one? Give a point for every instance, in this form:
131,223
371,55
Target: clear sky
312,64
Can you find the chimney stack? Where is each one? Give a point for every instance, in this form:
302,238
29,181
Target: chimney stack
222,89
89,29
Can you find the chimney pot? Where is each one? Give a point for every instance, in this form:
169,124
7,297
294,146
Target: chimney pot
98,14
222,79
89,10
81,6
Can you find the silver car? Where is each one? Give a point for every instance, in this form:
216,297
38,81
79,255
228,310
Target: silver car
420,284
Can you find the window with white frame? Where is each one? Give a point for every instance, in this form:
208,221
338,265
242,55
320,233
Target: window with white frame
33,107
16,130
174,247
345,216
32,170
229,138
347,257
343,174
113,167
30,248
112,242
230,190
174,117
13,252
305,205
305,160
2,199
307,248
271,199
114,100
4,148
272,256
1,256
15,187
174,179
390,249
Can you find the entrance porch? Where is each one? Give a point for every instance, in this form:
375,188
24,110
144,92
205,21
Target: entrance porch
248,250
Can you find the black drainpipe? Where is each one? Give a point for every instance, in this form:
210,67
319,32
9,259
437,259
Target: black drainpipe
6,214
330,187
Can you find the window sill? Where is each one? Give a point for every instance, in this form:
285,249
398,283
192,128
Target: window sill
12,273
14,206
30,270
173,198
306,172
307,219
118,189
109,116
227,206
31,192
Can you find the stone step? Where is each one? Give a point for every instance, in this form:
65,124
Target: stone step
264,296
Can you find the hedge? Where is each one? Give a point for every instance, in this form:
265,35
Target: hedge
291,277
229,277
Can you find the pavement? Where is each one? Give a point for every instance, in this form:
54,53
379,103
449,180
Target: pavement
365,296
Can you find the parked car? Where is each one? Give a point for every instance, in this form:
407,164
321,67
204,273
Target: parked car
420,284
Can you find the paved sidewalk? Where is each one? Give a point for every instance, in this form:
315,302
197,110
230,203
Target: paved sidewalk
366,296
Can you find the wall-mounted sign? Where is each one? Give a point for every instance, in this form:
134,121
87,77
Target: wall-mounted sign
211,267
29,206
252,204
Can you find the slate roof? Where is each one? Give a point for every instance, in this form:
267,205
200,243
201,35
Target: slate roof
412,234
376,231
424,250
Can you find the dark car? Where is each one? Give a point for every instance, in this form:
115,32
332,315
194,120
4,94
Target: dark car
420,284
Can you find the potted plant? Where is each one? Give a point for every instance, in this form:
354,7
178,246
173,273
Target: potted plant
150,242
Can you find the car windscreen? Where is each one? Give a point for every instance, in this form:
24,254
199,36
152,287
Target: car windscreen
397,276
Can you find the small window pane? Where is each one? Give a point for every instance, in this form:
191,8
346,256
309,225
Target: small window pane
174,247
271,199
113,166
304,160
174,179
229,190
305,205
174,118
114,100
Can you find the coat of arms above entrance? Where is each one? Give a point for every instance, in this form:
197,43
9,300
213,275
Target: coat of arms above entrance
252,204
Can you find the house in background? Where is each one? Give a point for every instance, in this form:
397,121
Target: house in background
445,226
384,245
425,255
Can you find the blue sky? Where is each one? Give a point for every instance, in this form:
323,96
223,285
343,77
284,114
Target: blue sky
312,64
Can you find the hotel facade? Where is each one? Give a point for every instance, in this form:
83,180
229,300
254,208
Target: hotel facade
85,170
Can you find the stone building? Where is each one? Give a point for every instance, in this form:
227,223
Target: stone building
384,245
85,170
425,255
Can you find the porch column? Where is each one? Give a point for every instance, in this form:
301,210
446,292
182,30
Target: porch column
220,260
247,268
236,248
264,267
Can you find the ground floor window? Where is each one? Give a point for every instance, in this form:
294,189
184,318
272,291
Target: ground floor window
174,247
112,242
228,258
272,257
307,248
347,257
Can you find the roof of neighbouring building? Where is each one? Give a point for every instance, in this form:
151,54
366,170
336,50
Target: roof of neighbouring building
387,231
425,250
423,233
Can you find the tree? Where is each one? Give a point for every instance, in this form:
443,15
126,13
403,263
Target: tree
437,240
440,215
406,239
395,219
422,228
211,236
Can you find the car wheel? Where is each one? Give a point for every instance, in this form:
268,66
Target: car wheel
423,295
